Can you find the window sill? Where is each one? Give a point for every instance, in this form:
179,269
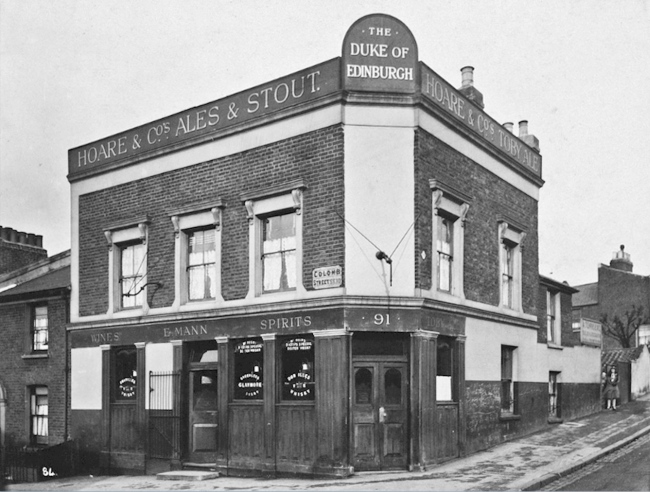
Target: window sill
509,417
555,346
36,356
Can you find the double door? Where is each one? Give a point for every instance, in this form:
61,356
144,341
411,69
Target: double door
379,415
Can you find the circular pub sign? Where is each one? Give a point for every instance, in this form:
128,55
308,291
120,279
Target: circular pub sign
126,388
379,55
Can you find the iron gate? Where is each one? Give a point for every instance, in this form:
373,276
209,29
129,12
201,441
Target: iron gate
164,415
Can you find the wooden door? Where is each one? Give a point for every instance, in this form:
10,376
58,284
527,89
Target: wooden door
379,415
202,414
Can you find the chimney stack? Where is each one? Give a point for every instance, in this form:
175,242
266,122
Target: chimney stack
621,260
531,140
467,88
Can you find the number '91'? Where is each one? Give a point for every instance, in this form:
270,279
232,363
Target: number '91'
381,319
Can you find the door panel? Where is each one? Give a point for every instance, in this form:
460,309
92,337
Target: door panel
393,401
203,415
379,415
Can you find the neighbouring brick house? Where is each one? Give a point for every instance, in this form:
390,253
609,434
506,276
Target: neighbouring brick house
331,272
18,249
616,292
34,302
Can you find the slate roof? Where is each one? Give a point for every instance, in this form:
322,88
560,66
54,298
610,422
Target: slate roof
55,280
587,294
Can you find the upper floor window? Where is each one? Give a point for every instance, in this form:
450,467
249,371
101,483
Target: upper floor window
201,264
127,265
275,241
279,252
38,414
507,274
576,316
643,335
510,260
40,329
450,208
198,251
444,248
553,322
132,271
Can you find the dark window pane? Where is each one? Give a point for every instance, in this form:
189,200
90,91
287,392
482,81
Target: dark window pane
363,387
298,369
125,374
249,366
393,387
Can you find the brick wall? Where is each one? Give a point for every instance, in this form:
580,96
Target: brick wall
618,291
18,373
16,255
491,196
316,158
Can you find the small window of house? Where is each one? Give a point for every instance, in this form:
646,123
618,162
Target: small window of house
39,414
40,329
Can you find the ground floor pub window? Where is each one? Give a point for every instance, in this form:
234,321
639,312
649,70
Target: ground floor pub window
298,369
248,370
445,372
123,387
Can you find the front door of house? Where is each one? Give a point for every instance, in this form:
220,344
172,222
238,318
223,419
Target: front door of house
379,415
202,439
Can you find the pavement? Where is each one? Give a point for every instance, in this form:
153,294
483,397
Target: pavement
526,463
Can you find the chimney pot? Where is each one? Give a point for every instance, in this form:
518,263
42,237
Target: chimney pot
523,128
509,126
467,76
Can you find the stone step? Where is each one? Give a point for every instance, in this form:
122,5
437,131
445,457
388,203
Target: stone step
189,475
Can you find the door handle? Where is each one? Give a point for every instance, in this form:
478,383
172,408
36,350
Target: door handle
382,415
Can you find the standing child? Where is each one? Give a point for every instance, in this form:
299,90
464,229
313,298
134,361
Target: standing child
611,389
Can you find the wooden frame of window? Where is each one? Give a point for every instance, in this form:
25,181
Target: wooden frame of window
127,279
553,317
446,369
262,205
511,237
278,252
131,279
553,394
39,328
450,208
508,396
203,218
38,414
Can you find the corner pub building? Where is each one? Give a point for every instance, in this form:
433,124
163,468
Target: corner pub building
331,272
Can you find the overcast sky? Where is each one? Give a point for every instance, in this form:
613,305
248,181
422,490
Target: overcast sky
72,72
